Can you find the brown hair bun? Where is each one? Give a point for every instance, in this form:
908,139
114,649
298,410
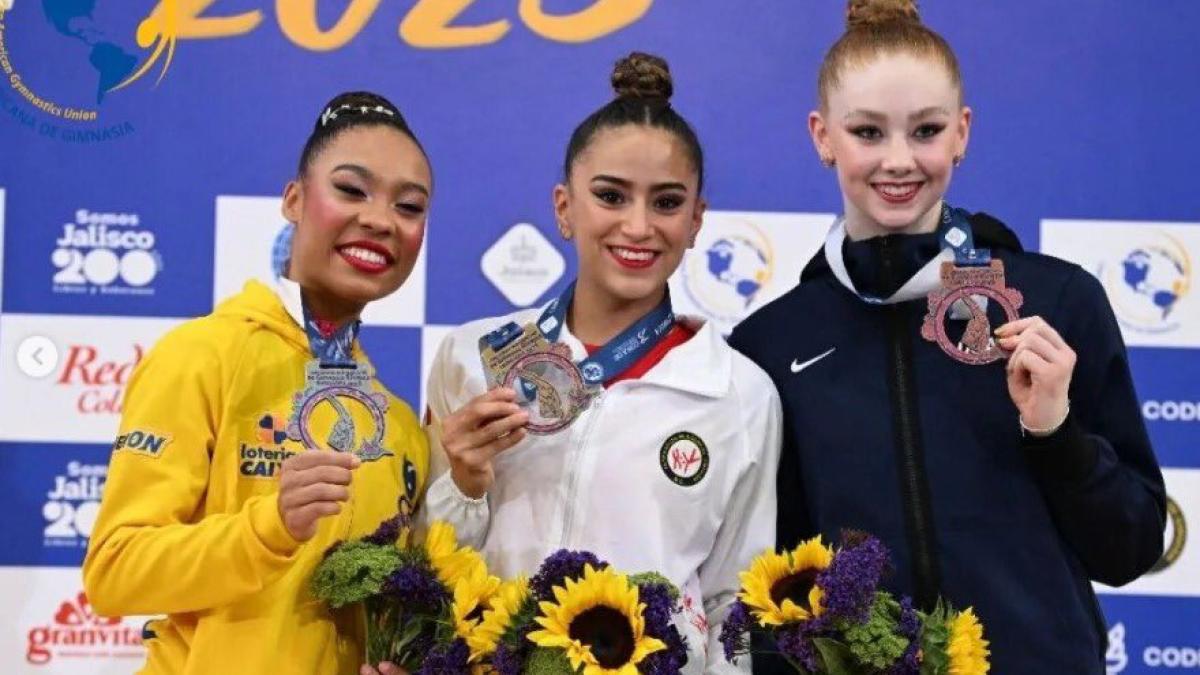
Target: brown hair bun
642,75
866,13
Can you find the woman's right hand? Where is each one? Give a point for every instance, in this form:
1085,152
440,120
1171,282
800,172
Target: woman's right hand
474,434
312,485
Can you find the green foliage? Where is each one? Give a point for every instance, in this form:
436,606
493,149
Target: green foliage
836,657
548,661
353,572
878,642
521,622
655,579
935,638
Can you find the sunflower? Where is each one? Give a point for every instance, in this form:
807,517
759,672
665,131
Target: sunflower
968,651
451,562
598,622
781,588
505,604
472,595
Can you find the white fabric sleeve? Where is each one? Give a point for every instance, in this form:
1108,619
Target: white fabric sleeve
749,525
445,392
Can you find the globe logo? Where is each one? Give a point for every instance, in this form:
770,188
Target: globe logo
73,20
1147,285
727,270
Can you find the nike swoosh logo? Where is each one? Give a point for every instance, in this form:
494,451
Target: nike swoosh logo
797,367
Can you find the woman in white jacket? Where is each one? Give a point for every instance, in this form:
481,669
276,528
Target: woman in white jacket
657,451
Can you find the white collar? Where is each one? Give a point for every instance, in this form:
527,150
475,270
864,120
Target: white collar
289,294
926,280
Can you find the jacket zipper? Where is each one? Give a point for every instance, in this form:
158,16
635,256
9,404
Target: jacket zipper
914,484
573,477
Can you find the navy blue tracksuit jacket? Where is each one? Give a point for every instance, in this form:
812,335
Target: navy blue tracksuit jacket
888,435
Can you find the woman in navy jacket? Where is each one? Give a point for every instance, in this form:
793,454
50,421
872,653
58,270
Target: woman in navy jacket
1005,469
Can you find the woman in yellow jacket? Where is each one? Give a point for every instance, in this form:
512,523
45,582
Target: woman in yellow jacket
256,437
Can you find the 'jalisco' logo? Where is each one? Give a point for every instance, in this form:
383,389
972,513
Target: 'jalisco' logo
106,253
77,632
102,378
72,505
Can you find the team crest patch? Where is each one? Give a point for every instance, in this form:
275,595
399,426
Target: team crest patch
684,458
142,441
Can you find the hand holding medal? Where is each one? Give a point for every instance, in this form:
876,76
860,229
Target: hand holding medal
474,434
313,485
1039,370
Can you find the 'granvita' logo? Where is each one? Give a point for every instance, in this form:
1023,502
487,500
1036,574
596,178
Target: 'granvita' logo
77,632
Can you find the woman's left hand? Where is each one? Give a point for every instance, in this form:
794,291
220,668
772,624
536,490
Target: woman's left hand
385,668
1039,371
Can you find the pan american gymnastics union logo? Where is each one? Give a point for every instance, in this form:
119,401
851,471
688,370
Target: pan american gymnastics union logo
1148,283
64,58
728,269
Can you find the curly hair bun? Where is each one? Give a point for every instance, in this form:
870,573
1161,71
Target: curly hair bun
642,75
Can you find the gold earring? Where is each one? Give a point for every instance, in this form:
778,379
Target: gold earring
565,231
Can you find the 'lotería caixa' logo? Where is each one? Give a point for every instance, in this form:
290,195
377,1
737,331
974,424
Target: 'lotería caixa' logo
105,253
77,633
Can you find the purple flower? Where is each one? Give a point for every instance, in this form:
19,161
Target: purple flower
910,627
560,566
796,641
733,632
416,587
448,659
659,608
387,532
850,581
508,660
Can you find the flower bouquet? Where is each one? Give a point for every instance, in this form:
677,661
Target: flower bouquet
826,614
422,600
579,615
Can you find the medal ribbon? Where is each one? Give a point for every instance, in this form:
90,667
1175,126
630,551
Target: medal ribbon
613,358
329,344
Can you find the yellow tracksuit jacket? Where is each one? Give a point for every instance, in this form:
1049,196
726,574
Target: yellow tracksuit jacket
189,525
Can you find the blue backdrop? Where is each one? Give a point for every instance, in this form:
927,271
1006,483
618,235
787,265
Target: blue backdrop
1083,141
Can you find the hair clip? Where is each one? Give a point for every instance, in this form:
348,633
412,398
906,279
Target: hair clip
331,114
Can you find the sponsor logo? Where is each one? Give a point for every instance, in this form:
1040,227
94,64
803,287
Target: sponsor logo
1148,282
100,378
72,505
1115,658
272,429
105,253
1172,657
259,462
1175,536
1171,411
75,632
684,458
727,270
522,264
143,442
